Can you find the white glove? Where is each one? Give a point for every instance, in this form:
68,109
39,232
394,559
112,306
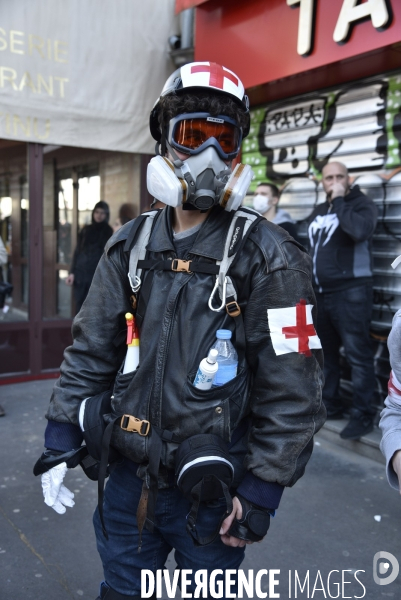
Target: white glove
55,493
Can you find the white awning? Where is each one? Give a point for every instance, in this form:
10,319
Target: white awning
83,72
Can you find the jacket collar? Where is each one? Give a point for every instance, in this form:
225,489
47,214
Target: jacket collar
209,242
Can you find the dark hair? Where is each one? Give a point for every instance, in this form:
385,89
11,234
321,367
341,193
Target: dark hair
177,104
127,212
274,188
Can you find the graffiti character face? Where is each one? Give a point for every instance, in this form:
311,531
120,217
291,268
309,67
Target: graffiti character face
288,130
301,136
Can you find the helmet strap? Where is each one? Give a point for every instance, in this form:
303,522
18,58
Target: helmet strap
177,160
163,142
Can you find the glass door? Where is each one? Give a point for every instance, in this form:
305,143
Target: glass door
14,257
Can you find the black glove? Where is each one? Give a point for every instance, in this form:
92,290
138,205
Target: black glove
253,525
52,458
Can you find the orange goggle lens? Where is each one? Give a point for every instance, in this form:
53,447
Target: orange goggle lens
192,133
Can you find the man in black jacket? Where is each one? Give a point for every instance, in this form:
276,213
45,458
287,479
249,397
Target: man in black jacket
340,233
267,414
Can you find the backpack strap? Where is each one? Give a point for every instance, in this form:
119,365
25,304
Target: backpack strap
239,230
196,496
136,243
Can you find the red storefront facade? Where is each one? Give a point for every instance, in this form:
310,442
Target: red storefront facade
259,39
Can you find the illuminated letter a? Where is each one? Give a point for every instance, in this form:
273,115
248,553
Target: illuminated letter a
352,11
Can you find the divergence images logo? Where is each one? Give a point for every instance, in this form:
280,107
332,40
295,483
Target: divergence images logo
382,568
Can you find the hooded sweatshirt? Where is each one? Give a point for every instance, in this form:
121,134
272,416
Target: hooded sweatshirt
390,422
340,236
91,242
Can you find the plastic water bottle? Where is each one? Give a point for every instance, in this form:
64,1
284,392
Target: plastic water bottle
227,357
207,370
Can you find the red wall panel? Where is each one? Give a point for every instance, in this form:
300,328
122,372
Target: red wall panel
258,38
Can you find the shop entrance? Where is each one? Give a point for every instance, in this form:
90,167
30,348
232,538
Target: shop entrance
47,194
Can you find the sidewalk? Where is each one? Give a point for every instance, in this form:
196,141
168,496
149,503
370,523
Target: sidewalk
368,445
336,517
43,555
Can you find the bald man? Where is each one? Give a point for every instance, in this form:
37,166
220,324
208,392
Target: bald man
340,232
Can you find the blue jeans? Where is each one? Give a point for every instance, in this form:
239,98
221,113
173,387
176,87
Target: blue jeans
121,562
343,318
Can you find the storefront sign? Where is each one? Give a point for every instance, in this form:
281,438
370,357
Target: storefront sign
268,41
83,73
351,12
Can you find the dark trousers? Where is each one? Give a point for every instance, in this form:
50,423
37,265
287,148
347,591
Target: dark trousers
344,320
123,564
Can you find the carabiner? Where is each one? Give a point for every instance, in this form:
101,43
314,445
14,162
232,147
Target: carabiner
138,283
223,303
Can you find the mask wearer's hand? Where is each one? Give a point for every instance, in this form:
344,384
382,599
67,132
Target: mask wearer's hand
55,493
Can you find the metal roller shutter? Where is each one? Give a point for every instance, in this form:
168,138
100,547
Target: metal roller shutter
358,124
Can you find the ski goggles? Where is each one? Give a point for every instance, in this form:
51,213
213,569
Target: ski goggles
194,132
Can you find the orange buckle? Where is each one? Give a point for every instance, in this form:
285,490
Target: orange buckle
233,309
132,424
179,265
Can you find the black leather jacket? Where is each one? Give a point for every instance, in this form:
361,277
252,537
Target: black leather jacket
280,394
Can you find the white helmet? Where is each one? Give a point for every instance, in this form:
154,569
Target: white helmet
209,141
202,76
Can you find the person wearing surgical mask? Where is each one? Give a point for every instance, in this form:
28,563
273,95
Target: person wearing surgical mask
265,201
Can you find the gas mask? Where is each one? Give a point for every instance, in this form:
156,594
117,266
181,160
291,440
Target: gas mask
203,179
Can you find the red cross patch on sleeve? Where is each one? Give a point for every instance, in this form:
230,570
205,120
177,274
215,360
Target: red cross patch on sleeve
292,329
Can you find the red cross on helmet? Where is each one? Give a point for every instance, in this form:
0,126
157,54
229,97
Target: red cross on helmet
202,76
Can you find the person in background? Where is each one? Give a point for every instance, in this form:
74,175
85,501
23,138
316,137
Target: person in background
390,422
3,256
126,213
266,201
5,288
340,232
91,242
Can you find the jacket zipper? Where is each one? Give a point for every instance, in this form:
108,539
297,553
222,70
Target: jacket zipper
162,356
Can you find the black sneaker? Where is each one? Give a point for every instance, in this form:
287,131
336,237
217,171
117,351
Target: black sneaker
357,427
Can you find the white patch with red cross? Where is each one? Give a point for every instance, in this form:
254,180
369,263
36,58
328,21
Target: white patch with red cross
292,329
210,74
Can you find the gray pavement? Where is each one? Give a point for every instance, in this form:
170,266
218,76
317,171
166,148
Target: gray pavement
337,517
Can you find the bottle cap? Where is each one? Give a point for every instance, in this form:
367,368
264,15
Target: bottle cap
212,356
223,334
